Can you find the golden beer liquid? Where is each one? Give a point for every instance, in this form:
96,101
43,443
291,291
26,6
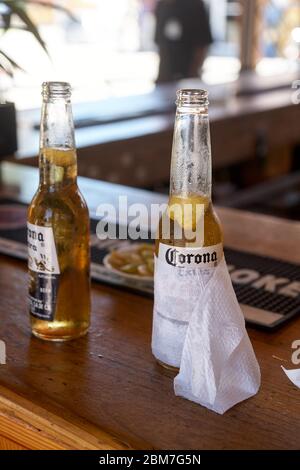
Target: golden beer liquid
59,204
213,234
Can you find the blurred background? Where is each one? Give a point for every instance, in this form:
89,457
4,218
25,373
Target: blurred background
126,58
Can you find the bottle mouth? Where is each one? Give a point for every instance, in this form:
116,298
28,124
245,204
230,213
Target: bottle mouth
56,90
192,97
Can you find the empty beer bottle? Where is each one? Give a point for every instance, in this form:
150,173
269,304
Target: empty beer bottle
58,228
189,244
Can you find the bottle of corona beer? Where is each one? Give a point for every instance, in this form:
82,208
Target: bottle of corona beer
189,244
58,228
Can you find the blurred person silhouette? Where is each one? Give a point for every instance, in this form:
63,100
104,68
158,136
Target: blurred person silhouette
183,35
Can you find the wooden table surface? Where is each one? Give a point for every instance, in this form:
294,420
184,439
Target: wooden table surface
106,391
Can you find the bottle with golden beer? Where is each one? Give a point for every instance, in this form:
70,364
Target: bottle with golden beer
58,228
189,244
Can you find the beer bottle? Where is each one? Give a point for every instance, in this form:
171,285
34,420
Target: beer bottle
58,228
189,243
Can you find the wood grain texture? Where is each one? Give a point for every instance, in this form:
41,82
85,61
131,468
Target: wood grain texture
106,390
38,429
109,381
7,444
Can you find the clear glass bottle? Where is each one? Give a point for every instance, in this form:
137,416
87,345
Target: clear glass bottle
58,228
189,244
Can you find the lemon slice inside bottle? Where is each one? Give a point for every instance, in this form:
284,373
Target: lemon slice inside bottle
188,212
62,162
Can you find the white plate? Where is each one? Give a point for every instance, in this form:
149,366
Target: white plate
107,264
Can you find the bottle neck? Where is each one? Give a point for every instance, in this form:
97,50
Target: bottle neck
57,158
191,153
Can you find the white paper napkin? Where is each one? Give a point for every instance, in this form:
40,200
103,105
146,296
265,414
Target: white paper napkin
293,375
218,366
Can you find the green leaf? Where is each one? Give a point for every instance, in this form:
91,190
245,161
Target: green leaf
6,20
55,6
8,72
11,61
18,9
6,69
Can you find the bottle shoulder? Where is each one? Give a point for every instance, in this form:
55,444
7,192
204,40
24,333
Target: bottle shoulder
188,229
65,204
